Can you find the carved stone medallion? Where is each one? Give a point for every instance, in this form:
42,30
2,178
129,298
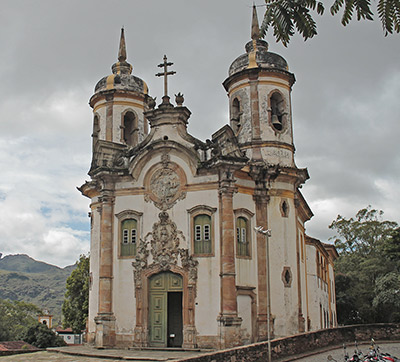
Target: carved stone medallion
165,184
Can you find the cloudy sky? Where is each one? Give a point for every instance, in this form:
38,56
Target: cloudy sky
346,108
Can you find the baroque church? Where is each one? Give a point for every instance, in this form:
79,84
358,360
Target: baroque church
201,244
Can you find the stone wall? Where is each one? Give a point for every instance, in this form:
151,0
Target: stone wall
303,343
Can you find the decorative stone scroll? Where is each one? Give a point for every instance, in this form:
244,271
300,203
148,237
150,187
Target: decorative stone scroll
160,251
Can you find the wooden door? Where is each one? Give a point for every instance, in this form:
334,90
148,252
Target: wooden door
163,290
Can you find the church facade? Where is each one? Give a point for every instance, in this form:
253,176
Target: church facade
201,244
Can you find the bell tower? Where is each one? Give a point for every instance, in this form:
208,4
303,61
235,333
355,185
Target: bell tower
259,87
118,104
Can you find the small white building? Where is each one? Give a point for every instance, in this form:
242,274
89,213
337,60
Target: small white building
174,259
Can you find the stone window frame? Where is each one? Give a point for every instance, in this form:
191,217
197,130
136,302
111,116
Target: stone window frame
248,215
284,121
202,210
287,271
135,127
237,129
127,215
284,210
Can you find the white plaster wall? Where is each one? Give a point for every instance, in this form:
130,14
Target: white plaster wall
208,286
317,290
208,296
283,253
244,311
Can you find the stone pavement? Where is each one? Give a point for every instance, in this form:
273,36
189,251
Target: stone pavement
88,354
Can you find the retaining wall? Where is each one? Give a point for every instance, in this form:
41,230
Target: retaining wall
303,343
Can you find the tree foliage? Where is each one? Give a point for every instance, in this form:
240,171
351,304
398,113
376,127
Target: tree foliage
41,336
76,302
369,249
15,318
288,16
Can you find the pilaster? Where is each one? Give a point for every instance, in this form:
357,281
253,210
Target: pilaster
228,319
105,320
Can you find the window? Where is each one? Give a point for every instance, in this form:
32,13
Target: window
284,206
129,129
287,277
202,230
277,108
242,233
129,233
202,234
235,115
96,129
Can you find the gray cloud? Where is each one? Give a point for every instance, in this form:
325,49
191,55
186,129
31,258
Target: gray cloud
345,105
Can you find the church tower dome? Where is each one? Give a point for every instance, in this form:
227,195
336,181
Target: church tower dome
119,101
259,89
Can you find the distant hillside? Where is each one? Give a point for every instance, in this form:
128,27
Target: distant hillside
24,278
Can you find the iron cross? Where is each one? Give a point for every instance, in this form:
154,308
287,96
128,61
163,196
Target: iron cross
165,74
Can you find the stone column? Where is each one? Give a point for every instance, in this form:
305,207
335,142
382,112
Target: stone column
228,319
105,320
261,202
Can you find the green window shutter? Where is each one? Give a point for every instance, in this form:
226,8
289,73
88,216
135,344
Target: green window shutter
242,232
202,234
128,237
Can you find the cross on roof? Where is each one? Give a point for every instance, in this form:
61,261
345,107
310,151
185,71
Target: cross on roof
165,74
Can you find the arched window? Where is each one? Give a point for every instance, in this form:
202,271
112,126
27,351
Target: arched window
202,234
96,129
236,115
277,106
129,235
129,129
242,236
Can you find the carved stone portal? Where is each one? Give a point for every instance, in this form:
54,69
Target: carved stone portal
160,251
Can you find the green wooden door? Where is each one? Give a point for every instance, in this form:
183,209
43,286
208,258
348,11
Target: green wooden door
158,319
159,287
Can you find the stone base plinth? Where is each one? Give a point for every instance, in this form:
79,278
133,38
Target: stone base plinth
105,330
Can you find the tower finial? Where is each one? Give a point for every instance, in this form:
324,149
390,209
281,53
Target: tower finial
255,28
122,47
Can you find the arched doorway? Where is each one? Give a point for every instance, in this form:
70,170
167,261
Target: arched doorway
165,310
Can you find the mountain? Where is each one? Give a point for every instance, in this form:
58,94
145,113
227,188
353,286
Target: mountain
26,279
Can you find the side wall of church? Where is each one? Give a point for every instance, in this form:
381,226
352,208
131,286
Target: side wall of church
319,303
284,296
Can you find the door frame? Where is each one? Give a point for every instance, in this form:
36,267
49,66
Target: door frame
159,306
141,332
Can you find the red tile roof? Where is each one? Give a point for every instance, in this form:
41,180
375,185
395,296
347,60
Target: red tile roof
17,345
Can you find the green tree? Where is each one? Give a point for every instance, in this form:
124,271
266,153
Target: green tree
41,336
288,16
387,297
76,302
15,318
366,244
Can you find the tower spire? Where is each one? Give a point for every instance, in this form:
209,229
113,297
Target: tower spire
122,47
255,28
